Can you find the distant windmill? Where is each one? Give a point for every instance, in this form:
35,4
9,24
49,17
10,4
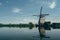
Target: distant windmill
41,17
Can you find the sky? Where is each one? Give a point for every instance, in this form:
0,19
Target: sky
22,11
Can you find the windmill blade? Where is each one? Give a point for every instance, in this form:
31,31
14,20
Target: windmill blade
44,14
36,15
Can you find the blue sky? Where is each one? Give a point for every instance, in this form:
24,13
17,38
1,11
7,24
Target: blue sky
21,11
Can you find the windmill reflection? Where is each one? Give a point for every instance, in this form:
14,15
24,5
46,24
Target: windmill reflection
42,33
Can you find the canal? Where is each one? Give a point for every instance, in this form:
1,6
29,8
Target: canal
16,33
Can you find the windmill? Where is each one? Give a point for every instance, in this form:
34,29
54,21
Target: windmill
41,17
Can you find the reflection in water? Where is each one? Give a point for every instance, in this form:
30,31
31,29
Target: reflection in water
27,34
42,33
40,29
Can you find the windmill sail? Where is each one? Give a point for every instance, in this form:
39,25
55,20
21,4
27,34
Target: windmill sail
40,16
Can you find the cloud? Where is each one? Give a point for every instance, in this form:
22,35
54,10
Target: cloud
6,1
0,4
52,5
16,10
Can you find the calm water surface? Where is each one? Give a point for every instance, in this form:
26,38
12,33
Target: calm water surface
7,33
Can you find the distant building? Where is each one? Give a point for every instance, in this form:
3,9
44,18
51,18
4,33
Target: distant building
55,25
47,25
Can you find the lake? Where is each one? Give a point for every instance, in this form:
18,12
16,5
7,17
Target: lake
16,33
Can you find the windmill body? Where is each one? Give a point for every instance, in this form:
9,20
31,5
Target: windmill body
41,18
